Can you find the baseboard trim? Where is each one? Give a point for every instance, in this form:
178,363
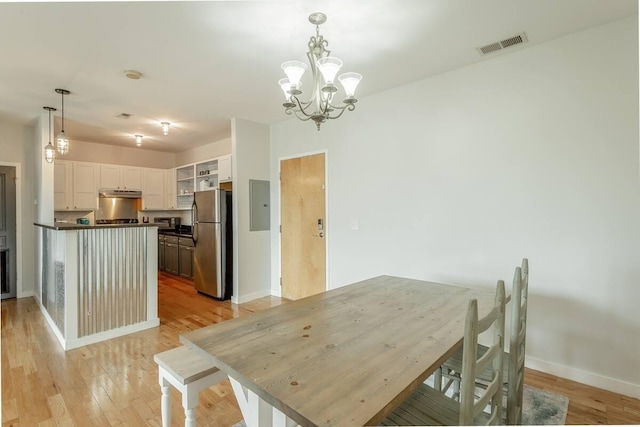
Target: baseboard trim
26,294
584,377
101,336
250,297
113,333
51,323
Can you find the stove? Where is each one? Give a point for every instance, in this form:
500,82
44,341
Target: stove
116,221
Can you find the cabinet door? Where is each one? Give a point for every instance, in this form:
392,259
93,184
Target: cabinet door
224,169
62,185
85,190
161,253
170,189
186,261
110,176
131,178
171,257
153,189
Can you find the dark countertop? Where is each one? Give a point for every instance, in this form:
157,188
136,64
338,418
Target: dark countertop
63,226
174,234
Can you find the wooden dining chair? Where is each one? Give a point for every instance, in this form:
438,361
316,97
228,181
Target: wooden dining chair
513,365
428,406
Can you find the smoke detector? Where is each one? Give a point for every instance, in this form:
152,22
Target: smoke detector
133,74
503,44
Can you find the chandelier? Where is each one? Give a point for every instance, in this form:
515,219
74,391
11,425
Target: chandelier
320,106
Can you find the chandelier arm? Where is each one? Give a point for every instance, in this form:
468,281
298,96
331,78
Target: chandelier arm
300,109
349,107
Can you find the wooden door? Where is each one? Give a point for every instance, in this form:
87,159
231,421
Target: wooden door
303,236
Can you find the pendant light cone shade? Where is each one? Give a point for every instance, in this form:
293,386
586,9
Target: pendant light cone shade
350,82
49,150
62,142
294,71
329,67
165,127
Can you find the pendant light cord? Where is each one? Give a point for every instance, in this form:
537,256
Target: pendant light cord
62,111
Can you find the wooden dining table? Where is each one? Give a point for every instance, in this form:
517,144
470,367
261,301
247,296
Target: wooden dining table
345,357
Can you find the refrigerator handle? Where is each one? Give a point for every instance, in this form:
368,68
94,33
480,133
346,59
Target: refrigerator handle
194,222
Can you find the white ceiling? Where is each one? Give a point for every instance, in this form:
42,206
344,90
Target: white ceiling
206,62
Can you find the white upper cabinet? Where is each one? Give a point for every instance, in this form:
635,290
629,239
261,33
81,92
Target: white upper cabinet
224,168
62,185
120,177
131,178
152,189
85,188
170,188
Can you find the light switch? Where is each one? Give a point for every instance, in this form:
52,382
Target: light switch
355,225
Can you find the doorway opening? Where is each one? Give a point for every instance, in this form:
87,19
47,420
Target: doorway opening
8,251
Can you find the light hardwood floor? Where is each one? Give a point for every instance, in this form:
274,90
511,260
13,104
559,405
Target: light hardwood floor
115,382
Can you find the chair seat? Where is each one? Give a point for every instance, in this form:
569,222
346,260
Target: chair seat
428,406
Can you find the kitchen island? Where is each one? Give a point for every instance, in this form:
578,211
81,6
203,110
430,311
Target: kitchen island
98,282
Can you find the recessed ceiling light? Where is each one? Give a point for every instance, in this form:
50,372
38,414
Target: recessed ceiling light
133,74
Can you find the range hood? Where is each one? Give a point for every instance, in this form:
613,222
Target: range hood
122,194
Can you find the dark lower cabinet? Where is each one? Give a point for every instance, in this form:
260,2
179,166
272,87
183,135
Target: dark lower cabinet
171,255
185,257
160,251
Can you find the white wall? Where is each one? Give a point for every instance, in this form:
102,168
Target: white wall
455,178
82,151
204,152
250,149
17,146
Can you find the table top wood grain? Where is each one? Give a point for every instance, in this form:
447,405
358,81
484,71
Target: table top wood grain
344,357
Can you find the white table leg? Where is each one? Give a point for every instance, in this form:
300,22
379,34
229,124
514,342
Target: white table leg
190,417
165,403
255,411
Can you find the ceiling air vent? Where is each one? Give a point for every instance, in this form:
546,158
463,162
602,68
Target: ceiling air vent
503,44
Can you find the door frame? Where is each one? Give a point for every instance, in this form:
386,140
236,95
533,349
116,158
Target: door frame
327,222
18,166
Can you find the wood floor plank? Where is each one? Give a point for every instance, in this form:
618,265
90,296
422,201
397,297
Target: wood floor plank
115,383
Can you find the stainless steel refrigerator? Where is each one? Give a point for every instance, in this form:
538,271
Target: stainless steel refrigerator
212,236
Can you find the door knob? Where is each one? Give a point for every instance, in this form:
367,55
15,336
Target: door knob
320,234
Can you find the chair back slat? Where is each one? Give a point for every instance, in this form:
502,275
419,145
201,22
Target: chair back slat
470,408
517,343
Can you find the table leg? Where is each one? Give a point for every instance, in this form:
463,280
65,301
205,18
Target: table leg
165,403
255,411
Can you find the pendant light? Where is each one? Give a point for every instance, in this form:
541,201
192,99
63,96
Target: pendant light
49,150
62,142
138,140
165,127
